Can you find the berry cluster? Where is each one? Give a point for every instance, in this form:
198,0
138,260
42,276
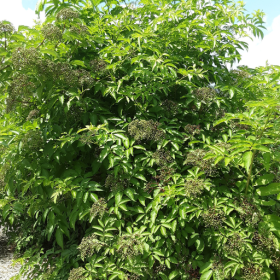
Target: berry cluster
77,274
80,29
253,272
130,246
192,129
160,268
98,208
89,245
32,115
51,32
194,187
193,274
87,138
205,94
265,241
67,13
98,65
249,213
218,268
213,217
162,157
6,28
25,59
195,158
141,129
115,184
29,59
235,244
32,140
21,87
170,106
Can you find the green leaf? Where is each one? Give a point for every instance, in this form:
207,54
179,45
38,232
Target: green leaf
78,62
205,267
264,180
130,193
104,153
247,159
139,147
59,237
271,189
206,275
140,176
173,274
118,198
199,244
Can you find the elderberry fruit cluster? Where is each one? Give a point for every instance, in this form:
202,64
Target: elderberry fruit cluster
194,187
32,140
98,208
162,157
6,27
25,59
249,213
213,217
234,245
130,246
205,94
89,245
98,65
170,106
142,129
115,184
195,158
67,13
33,114
79,29
253,272
51,32
21,87
77,274
192,129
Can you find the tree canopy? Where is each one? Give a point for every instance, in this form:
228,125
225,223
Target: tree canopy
128,148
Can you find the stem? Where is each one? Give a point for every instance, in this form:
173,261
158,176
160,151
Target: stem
254,153
5,42
41,43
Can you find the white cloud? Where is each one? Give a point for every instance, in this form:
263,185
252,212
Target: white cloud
13,11
264,50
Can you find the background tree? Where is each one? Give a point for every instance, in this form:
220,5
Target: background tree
130,151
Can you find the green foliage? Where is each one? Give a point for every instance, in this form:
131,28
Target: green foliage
130,151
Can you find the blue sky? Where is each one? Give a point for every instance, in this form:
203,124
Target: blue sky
21,12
